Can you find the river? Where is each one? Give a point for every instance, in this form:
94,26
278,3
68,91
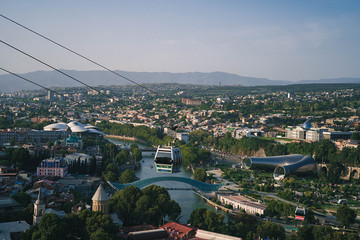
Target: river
187,199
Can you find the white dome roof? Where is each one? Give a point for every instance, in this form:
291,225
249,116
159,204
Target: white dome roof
77,127
74,126
96,132
56,127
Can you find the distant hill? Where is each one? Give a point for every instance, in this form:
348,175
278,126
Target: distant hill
49,79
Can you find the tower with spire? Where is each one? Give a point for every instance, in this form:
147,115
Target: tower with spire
39,209
100,201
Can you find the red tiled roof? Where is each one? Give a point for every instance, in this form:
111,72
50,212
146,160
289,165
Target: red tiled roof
176,230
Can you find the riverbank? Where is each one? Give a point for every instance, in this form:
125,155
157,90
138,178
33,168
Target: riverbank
122,137
126,138
215,205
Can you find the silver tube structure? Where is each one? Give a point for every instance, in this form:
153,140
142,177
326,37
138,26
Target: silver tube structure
283,166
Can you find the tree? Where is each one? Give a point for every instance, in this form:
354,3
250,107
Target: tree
111,173
20,157
136,154
4,123
310,217
133,146
200,174
270,230
355,136
94,221
322,232
244,223
92,168
188,153
12,141
335,170
207,220
124,203
122,157
22,198
148,206
100,234
305,233
127,176
74,227
324,150
49,227
345,215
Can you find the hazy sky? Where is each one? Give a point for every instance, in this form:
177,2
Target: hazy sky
280,40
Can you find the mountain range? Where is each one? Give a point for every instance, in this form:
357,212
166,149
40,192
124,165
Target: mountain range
10,83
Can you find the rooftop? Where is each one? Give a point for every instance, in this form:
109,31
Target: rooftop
176,229
11,227
100,194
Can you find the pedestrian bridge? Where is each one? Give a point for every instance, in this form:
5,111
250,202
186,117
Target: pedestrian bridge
204,187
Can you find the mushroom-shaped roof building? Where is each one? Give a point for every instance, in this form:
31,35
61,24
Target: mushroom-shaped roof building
77,127
74,126
60,126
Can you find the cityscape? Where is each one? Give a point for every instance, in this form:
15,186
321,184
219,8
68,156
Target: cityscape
175,155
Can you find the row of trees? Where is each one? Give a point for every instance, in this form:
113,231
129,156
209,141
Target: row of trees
279,209
193,155
244,225
152,135
248,227
78,167
86,225
315,232
111,173
21,158
5,123
324,151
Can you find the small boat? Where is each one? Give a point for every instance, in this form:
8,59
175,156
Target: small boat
167,159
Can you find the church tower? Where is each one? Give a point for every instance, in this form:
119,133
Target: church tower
100,201
39,209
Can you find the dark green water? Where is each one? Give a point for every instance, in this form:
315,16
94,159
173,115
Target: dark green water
187,199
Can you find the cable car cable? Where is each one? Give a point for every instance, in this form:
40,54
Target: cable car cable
78,54
48,65
39,85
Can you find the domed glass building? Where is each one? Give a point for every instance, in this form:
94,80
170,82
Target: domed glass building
306,125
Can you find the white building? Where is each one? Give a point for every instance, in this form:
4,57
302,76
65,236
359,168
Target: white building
295,133
239,202
183,136
315,134
248,132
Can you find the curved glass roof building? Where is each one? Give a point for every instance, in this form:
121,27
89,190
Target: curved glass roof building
282,166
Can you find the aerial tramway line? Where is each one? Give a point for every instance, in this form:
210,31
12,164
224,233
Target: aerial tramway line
167,158
300,213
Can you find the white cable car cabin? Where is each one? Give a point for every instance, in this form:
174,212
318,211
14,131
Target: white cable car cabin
167,159
300,213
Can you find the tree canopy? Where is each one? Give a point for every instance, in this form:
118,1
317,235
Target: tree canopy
150,205
345,215
127,176
86,225
200,174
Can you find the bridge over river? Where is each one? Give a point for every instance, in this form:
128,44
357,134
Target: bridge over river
204,187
